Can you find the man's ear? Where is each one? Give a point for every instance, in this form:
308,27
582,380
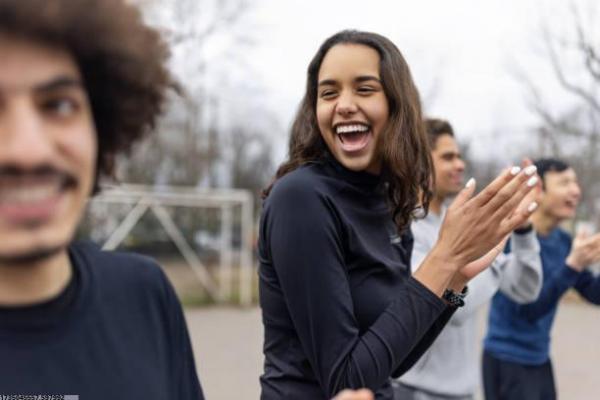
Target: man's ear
540,193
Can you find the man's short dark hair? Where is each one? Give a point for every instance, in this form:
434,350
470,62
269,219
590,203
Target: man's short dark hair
122,62
545,165
435,128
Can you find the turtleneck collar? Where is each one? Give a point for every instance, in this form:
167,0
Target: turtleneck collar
361,179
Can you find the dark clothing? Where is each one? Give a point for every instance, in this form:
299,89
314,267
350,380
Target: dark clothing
517,346
503,380
520,333
116,332
340,309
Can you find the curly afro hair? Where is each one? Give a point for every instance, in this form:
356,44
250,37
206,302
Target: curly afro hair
121,59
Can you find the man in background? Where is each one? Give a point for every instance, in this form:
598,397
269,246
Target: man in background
516,361
450,369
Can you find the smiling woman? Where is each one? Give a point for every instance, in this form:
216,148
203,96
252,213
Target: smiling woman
383,81
340,308
352,109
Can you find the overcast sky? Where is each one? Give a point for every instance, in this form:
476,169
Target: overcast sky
460,53
463,55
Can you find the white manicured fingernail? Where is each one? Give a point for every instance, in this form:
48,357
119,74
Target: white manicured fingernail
532,181
515,170
470,183
530,170
532,207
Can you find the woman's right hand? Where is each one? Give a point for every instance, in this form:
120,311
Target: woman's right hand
474,226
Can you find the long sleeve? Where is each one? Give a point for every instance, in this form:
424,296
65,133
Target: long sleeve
425,342
481,288
521,269
424,239
588,285
305,244
517,274
554,287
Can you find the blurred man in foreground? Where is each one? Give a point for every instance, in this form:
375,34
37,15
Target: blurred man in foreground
80,82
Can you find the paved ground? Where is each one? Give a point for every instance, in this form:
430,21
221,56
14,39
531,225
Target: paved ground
227,344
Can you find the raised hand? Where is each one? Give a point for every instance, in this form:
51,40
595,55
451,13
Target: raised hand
526,206
474,226
585,250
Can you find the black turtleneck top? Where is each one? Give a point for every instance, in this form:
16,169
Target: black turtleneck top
340,309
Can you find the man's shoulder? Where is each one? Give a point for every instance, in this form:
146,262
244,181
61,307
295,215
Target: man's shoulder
109,258
117,267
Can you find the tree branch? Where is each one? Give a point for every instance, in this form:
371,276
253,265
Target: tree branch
558,69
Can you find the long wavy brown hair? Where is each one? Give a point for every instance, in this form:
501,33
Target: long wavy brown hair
404,149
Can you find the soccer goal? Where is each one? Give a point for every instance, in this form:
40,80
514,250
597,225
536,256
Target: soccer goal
229,234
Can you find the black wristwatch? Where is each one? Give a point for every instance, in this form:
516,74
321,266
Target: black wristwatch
455,299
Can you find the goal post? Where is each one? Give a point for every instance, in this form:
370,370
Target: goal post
229,203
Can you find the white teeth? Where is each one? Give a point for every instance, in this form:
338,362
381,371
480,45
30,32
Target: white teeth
28,195
351,128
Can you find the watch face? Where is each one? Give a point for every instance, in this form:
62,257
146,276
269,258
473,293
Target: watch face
455,299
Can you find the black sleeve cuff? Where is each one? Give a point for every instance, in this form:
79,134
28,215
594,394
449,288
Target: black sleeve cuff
524,231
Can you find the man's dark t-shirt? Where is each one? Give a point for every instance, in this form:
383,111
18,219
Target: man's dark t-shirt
116,332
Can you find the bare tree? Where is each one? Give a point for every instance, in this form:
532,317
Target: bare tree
251,164
209,40
572,133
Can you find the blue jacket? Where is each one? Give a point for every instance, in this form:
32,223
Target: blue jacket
520,333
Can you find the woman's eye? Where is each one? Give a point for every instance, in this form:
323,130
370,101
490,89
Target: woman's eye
327,94
365,89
